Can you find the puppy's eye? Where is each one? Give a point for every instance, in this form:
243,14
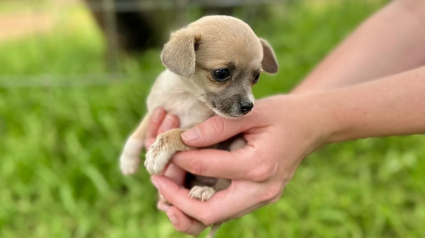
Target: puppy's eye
221,75
256,77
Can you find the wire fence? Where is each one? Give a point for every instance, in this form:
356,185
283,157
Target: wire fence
130,6
32,21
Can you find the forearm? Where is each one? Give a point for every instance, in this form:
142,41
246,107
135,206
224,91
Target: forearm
389,106
389,42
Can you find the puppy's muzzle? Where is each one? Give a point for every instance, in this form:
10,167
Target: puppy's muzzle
246,107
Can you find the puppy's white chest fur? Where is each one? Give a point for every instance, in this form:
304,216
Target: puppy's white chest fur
179,98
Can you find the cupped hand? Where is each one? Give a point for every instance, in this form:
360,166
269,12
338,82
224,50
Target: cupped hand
160,123
280,132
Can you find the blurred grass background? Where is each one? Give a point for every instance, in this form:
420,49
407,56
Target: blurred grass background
59,145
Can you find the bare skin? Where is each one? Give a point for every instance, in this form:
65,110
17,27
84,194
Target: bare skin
389,42
336,94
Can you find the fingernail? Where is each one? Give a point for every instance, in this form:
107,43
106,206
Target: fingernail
154,182
148,143
168,123
163,207
172,217
156,115
191,135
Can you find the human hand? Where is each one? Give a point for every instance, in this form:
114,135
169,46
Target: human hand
160,123
280,132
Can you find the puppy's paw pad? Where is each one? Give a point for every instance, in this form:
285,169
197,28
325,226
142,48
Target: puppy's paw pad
129,165
202,193
157,157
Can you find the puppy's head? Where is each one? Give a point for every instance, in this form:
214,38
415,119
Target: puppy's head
222,58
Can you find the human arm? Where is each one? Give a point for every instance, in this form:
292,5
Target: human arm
389,42
280,132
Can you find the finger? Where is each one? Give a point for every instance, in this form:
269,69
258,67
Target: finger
169,122
149,142
180,221
218,163
214,130
183,223
162,206
154,124
175,173
178,176
224,205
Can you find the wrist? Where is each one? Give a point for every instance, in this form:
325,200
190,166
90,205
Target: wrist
308,117
323,123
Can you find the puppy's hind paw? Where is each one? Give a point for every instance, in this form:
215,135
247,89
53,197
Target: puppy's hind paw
202,193
130,160
129,165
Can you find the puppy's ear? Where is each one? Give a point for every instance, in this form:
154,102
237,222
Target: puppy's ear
269,63
178,55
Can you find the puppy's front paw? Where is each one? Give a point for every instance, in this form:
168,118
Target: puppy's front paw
157,157
129,164
202,193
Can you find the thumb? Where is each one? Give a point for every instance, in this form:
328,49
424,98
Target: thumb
214,130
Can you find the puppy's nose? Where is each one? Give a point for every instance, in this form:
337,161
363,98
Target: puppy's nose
246,107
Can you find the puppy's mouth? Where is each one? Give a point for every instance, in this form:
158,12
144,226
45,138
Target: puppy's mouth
231,113
226,115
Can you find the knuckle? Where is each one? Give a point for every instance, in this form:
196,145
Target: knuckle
257,175
262,173
193,233
275,199
195,166
180,228
271,194
189,231
184,229
207,219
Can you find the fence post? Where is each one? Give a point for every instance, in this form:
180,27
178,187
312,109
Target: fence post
110,22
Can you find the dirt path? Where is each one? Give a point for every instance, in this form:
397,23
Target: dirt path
17,25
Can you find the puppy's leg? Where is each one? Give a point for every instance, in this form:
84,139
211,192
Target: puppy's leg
238,143
204,193
130,157
165,146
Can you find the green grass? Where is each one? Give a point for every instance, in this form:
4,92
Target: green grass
59,145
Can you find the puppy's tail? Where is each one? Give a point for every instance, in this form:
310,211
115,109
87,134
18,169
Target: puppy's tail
213,230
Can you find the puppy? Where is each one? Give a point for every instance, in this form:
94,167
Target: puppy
211,66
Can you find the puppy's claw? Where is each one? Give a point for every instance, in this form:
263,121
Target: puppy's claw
202,193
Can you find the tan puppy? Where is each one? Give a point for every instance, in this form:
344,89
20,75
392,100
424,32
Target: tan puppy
211,66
